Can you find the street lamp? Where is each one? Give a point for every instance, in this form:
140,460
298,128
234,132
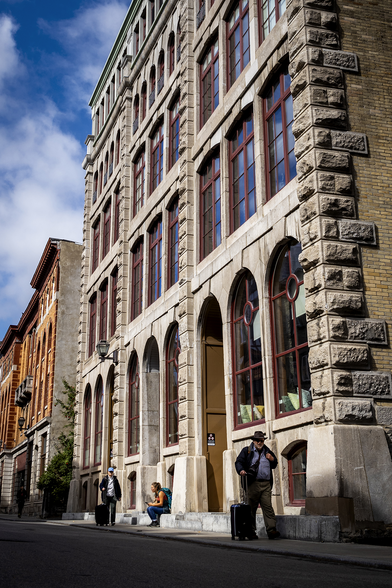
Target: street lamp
103,349
21,422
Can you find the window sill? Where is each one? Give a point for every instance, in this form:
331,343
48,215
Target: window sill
302,417
131,459
172,450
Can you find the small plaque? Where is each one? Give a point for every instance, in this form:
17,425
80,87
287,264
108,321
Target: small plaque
211,439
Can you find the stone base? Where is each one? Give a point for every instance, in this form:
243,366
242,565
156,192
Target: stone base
333,506
190,485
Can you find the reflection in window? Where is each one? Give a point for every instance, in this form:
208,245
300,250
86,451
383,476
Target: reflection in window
242,170
210,206
246,336
98,423
134,398
292,375
297,475
172,354
87,428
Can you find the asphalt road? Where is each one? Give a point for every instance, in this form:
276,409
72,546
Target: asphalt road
50,555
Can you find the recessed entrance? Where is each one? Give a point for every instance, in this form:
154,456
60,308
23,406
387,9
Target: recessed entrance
214,411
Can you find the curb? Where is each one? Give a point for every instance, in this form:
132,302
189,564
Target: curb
327,558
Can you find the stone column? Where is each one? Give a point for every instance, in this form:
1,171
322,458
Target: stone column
340,463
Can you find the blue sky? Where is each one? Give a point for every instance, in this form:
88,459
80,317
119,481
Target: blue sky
51,55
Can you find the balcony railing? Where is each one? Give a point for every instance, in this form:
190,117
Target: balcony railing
151,98
24,391
200,15
135,125
161,81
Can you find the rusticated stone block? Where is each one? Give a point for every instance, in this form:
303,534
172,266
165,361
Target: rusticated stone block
323,412
310,257
319,356
315,305
342,184
354,142
368,330
310,233
293,8
326,77
317,330
313,280
345,302
350,355
341,254
334,277
312,18
308,210
306,187
303,144
331,160
352,279
362,232
322,38
335,206
329,117
340,59
343,383
321,383
372,384
353,410
305,165
302,123
384,415
299,81
330,229
329,20
338,329
322,138
297,43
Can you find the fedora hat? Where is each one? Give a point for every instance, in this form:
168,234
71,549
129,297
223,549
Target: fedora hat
258,436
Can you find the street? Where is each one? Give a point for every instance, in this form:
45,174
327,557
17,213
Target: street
47,555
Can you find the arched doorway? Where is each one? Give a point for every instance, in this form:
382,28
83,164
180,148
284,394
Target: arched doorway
151,403
214,410
110,389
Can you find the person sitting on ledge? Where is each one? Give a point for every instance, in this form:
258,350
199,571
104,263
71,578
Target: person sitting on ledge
159,506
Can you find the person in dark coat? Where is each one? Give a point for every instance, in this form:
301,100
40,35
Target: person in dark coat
20,499
257,462
111,493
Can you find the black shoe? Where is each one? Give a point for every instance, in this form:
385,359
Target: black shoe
274,534
113,524
153,524
253,537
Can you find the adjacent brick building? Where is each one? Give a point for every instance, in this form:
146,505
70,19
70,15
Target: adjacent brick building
237,253
36,355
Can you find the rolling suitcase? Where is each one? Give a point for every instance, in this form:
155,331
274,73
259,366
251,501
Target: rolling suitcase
241,518
101,515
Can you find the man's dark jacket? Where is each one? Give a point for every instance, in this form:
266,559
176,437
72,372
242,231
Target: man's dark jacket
245,458
104,484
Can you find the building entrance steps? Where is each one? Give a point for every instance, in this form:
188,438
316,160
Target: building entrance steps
301,527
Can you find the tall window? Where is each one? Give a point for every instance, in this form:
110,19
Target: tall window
113,311
157,157
173,243
297,474
152,10
290,341
44,440
111,158
103,318
100,178
95,187
175,132
246,336
161,70
172,353
143,25
155,281
242,173
118,144
151,99
210,206
137,39
106,229
140,183
137,280
209,74
96,236
136,113
271,11
98,422
87,428
92,326
144,100
116,232
171,52
279,138
238,40
178,42
134,408
105,177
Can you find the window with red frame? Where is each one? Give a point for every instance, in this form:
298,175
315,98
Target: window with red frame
144,100
279,139
155,279
143,26
98,422
92,325
161,70
137,39
271,11
118,144
247,353
171,52
105,177
151,98
113,311
87,428
175,132
209,75
210,206
173,243
290,339
140,183
134,408
106,229
178,42
152,10
116,230
111,158
238,45
96,236
95,187
297,475
137,280
136,113
242,173
157,157
100,178
103,314
172,354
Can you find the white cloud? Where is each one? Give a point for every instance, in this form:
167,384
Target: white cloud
8,53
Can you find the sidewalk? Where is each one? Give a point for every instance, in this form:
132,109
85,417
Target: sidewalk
369,556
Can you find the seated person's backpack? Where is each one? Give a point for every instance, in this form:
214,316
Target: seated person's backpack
168,493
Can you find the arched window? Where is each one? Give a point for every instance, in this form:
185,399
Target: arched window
98,422
105,177
136,113
134,408
111,158
87,428
137,279
174,150
297,474
238,41
144,100
139,183
271,11
290,340
95,187
178,42
171,51
118,148
172,353
247,358
100,177
161,70
151,99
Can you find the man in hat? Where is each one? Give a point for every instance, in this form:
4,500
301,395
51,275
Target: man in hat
257,462
111,493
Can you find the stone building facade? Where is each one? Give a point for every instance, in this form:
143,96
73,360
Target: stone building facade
36,355
236,254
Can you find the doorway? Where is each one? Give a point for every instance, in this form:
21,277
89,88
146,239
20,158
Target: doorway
214,410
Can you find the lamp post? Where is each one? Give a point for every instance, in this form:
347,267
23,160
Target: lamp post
103,349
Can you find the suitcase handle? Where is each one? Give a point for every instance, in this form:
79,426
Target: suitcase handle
244,484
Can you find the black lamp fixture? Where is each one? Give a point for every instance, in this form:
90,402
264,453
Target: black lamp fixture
103,350
21,422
